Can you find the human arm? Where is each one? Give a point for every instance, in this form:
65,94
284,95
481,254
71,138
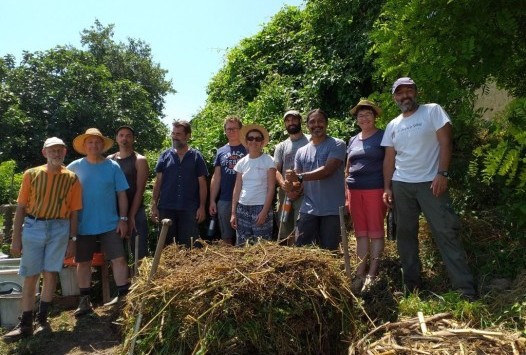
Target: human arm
142,168
388,171
73,224
235,199
203,193
122,226
155,197
445,150
271,184
214,190
16,238
323,172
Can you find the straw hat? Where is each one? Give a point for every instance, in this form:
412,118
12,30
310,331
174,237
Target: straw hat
78,142
367,103
247,128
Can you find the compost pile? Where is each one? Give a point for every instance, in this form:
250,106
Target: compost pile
438,334
262,298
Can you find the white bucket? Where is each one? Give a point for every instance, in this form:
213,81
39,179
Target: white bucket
10,273
68,281
10,309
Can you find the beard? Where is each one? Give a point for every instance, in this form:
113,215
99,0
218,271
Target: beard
406,105
179,144
56,162
293,129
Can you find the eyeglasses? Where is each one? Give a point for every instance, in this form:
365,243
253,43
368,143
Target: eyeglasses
257,139
231,129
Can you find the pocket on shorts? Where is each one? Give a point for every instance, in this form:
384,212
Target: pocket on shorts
28,223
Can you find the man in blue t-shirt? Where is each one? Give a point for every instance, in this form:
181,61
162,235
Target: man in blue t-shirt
103,189
179,192
224,178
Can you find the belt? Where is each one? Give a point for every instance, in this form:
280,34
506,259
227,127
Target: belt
41,219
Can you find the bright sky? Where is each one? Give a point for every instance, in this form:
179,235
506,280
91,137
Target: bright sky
188,38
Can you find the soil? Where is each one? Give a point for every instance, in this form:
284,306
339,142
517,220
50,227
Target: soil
97,333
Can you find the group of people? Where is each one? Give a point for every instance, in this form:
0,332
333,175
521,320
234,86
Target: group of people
92,204
404,168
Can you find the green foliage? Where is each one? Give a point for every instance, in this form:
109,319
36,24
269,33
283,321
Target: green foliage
63,91
301,59
469,312
501,161
10,182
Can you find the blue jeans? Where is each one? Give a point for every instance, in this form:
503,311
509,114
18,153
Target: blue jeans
321,230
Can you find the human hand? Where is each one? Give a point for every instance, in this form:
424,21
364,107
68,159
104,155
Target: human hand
16,248
212,209
439,185
200,215
388,198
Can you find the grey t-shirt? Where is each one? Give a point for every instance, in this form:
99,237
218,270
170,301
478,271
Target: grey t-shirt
322,197
286,151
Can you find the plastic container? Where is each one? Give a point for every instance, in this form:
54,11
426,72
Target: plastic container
285,210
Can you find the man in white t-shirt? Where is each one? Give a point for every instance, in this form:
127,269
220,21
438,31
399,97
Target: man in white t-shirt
418,146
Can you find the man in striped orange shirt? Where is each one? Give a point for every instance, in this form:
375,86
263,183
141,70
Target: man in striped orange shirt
44,232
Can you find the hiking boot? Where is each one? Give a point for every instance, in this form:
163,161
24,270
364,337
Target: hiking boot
84,308
42,327
18,332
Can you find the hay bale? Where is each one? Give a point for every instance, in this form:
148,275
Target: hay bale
263,298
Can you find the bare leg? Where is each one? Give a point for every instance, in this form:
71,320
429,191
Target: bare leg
84,274
362,251
28,292
49,287
377,249
120,271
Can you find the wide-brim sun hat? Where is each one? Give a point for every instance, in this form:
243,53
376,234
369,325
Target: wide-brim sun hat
366,103
78,142
251,127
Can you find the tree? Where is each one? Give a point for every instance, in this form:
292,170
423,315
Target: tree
64,90
302,59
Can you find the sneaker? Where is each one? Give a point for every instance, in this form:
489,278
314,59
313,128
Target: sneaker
368,283
18,332
42,327
119,300
84,308
356,285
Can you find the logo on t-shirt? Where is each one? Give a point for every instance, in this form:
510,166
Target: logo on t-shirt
229,161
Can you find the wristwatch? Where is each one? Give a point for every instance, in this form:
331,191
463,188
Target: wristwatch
300,178
444,173
73,238
125,219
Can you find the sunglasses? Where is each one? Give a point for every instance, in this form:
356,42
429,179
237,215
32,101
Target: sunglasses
257,139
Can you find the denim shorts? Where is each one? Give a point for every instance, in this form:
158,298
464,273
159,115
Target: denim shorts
44,244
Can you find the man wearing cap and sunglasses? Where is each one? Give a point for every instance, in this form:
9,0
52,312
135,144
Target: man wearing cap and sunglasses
284,159
104,217
418,147
48,201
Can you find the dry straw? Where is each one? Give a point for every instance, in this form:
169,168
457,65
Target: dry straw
263,298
